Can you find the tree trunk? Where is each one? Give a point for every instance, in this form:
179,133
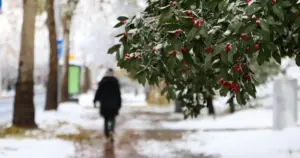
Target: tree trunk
65,83
52,84
210,106
86,80
24,113
231,107
178,106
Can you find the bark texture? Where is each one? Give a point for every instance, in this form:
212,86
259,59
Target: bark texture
86,80
52,84
24,112
68,13
65,83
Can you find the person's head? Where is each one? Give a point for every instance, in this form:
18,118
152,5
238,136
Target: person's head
109,72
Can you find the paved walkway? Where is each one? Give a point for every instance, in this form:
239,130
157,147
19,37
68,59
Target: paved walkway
126,138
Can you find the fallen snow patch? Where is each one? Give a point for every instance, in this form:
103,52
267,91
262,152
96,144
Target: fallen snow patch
32,148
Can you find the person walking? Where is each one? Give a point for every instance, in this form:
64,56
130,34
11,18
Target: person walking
109,96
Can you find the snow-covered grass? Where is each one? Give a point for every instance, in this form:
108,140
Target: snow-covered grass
241,144
71,114
34,148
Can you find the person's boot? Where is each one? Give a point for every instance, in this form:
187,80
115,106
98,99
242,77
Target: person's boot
111,137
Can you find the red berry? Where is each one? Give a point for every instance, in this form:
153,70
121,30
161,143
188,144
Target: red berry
245,38
222,81
185,69
242,35
183,50
247,76
227,48
125,35
226,84
202,21
178,31
253,17
123,22
257,22
174,53
257,47
248,49
298,15
208,49
248,1
153,49
197,24
273,1
188,13
137,57
173,4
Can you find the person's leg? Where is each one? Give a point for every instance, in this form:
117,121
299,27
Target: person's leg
106,127
113,123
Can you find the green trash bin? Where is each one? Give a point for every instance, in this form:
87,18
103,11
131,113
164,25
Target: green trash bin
74,82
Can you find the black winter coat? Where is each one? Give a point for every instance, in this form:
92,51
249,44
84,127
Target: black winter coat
109,95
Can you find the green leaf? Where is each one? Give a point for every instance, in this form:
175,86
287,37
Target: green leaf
176,44
203,32
118,25
253,8
223,6
250,89
223,91
237,27
285,4
264,25
277,56
114,49
191,34
278,12
122,18
240,98
166,16
249,28
298,59
231,54
262,57
224,57
119,35
207,62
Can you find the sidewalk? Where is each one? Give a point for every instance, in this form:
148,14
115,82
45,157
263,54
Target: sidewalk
76,131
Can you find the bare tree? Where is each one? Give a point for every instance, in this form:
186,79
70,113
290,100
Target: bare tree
24,112
67,14
52,84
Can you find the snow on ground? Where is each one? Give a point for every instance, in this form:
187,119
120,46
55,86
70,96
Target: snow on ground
250,118
70,113
33,148
240,144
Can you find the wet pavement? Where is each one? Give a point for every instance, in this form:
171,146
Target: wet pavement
126,139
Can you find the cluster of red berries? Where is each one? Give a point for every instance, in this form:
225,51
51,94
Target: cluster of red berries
243,36
208,50
227,47
237,68
128,56
173,3
196,22
185,68
233,87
